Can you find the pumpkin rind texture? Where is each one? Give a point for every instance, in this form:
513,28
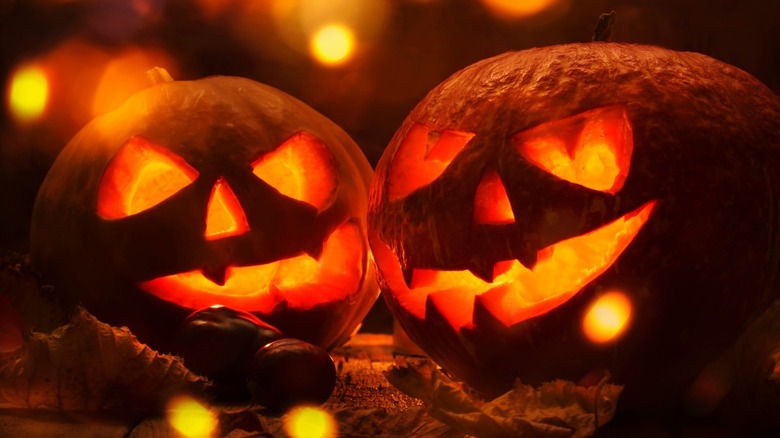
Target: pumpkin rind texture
670,157
219,191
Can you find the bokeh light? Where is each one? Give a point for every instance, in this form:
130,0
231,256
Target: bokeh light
309,422
333,44
517,9
607,317
28,92
125,74
190,418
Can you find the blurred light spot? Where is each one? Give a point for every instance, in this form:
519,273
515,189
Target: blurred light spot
28,93
607,317
297,22
125,75
517,9
212,9
122,18
309,422
190,418
333,44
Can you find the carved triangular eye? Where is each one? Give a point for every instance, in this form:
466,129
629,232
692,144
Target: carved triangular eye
592,149
140,176
302,168
491,203
422,157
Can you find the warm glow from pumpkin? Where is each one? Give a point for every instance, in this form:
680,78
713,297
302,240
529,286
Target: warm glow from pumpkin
191,419
607,317
309,422
592,149
516,9
140,176
491,203
27,94
125,75
422,157
516,292
224,216
333,44
300,281
302,168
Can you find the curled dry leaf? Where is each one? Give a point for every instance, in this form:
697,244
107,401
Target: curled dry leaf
87,365
34,306
555,409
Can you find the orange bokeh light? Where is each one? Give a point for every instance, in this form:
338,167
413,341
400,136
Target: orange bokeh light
140,176
309,422
191,418
125,75
224,216
607,317
517,9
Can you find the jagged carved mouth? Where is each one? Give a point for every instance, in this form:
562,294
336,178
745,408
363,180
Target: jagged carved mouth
301,281
516,293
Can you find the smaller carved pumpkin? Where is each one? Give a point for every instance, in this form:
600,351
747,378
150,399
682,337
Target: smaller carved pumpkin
220,191
547,213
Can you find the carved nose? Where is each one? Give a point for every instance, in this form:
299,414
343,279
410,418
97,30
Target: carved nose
225,217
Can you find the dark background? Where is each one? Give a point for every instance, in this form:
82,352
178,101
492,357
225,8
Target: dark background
403,49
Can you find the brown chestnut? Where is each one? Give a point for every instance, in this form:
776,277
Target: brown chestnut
218,342
289,372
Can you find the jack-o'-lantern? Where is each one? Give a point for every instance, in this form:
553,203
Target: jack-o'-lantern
220,191
555,212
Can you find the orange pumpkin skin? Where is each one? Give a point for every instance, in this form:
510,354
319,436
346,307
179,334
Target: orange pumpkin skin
701,170
175,202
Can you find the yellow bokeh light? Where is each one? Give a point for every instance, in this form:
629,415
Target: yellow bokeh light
333,44
516,9
309,422
607,317
28,93
191,419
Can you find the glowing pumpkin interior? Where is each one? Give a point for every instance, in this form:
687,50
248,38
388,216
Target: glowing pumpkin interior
142,174
224,215
592,149
301,281
301,168
421,158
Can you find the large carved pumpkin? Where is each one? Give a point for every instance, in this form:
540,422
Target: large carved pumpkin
557,211
216,191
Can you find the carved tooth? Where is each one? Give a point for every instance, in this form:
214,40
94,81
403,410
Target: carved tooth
408,271
315,251
482,269
217,274
528,258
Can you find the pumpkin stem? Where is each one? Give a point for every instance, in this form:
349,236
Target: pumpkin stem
158,75
603,29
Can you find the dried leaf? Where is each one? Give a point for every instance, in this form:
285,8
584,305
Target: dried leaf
87,365
555,409
36,306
